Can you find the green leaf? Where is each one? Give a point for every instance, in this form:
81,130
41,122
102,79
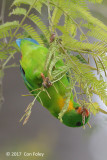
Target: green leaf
18,11
96,1
56,15
6,28
93,107
40,25
3,55
18,2
31,31
82,37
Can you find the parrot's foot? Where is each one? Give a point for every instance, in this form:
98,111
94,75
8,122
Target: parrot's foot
46,82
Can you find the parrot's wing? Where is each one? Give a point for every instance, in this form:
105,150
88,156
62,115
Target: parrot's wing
18,41
24,78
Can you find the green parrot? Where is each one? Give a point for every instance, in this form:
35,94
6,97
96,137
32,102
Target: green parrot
34,74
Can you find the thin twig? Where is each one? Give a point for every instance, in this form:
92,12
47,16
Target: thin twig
102,66
47,93
11,66
3,10
7,60
2,15
55,88
49,17
5,41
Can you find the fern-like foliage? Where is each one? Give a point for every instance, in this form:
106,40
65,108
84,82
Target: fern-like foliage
6,29
67,19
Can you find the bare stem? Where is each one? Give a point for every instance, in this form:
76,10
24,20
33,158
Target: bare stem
2,15
3,10
49,16
5,41
7,60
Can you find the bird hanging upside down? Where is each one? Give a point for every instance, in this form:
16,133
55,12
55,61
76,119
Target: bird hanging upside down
32,66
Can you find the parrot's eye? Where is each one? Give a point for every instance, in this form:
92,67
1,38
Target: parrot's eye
78,124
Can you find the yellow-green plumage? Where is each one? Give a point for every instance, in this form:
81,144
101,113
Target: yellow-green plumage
32,63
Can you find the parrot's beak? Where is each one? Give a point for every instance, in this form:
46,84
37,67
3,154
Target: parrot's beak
83,111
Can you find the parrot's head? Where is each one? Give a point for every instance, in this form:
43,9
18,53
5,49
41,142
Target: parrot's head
76,117
19,41
26,45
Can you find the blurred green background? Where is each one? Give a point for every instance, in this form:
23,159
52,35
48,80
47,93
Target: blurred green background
43,133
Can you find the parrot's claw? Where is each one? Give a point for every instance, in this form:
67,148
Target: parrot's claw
46,82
